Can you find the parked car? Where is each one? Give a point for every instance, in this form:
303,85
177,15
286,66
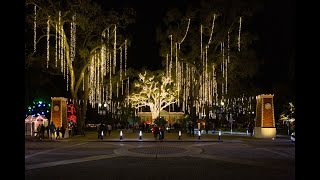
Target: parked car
293,137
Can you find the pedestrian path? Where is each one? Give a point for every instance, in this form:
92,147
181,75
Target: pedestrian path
116,136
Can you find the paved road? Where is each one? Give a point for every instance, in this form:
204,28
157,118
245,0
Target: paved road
234,158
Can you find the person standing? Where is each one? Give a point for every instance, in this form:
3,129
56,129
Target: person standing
192,129
109,129
63,130
189,129
42,130
52,129
155,131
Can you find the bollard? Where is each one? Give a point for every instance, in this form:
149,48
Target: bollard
219,134
179,135
120,135
140,135
199,134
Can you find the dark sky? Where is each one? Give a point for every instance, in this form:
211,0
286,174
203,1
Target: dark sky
275,26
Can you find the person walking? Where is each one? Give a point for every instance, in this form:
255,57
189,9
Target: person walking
58,133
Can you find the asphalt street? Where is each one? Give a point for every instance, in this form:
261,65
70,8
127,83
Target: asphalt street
235,157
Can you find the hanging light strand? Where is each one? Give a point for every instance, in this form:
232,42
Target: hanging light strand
67,76
73,37
167,66
170,66
185,33
115,50
48,43
210,39
125,58
177,73
35,30
56,46
239,34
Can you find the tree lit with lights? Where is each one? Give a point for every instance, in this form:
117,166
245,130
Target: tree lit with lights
154,92
39,107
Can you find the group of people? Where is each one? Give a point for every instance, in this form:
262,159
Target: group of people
102,129
52,131
156,130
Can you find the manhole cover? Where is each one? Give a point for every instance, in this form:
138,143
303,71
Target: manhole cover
158,150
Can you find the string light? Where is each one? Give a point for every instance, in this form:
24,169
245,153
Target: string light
115,50
125,58
185,33
73,38
239,34
167,65
83,81
201,41
48,44
67,76
56,46
214,18
120,64
35,30
170,66
177,73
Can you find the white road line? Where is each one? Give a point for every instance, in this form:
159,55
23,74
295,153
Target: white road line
275,152
44,152
70,161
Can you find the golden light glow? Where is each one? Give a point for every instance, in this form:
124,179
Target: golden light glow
156,95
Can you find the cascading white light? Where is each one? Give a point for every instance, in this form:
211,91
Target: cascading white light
170,66
67,77
167,66
185,33
48,43
73,38
35,30
239,34
210,39
83,81
56,46
125,58
177,73
115,50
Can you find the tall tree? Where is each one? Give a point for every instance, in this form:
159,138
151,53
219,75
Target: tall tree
154,90
208,51
73,38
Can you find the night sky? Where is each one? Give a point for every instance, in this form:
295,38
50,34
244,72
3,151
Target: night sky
275,26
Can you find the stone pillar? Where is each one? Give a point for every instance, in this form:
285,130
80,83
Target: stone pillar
265,122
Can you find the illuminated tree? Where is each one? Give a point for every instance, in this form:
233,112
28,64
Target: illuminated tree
80,41
154,92
208,53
